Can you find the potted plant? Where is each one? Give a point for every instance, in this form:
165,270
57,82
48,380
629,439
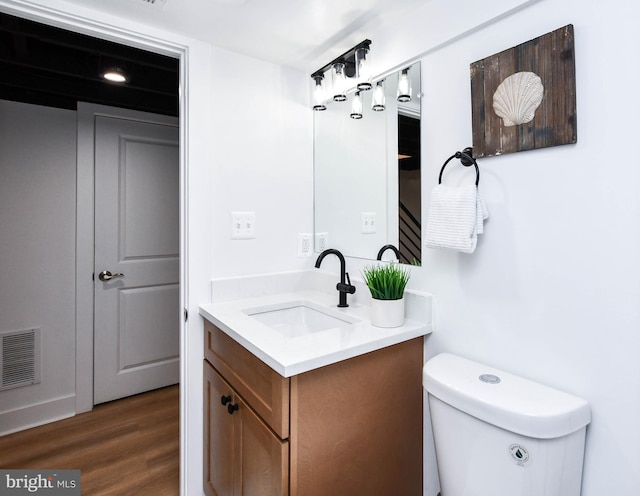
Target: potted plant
387,283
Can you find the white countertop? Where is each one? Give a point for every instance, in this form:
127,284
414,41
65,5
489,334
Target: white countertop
294,355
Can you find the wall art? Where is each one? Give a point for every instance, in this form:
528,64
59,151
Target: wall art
525,97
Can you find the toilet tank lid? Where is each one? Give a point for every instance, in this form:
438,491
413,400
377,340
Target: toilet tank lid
514,403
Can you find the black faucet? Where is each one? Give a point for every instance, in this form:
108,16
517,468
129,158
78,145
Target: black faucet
344,286
388,247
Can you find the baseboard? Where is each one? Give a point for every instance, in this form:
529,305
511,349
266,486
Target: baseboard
38,414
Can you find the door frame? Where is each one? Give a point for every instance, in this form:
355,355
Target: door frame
195,103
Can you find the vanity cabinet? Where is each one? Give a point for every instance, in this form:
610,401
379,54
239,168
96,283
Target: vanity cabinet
350,428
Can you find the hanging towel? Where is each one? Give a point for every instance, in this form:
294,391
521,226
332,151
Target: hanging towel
456,217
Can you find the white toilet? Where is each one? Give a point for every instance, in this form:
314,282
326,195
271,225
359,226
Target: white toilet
497,434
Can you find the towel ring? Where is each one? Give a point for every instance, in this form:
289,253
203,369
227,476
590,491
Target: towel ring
466,159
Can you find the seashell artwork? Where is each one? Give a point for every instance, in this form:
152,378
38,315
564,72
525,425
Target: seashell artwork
517,98
535,106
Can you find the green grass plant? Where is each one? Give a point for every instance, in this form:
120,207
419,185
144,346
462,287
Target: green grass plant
386,281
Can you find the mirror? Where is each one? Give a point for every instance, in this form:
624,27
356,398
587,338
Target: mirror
367,174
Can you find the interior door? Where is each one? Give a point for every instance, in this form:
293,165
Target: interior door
136,271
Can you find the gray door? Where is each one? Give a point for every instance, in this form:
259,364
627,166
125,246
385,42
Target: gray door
136,329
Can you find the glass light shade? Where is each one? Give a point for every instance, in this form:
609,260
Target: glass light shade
378,98
404,86
319,94
339,82
363,69
356,106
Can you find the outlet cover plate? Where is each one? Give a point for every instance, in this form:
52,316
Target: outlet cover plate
321,242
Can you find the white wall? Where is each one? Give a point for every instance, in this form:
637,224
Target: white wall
262,141
37,254
552,291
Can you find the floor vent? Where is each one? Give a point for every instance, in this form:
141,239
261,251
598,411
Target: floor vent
19,358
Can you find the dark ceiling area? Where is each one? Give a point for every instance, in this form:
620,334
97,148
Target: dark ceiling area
49,66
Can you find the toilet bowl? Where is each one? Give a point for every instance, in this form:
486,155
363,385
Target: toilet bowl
497,434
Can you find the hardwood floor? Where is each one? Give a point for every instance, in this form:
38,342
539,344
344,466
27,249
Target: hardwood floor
125,447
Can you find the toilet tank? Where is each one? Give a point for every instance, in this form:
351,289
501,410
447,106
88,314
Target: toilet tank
497,434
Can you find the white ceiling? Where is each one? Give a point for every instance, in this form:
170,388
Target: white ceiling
294,33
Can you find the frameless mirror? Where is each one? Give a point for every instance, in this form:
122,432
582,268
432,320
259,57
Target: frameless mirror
367,173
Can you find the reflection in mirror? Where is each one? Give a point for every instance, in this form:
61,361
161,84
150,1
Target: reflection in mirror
367,171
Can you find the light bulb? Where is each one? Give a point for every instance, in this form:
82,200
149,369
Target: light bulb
378,99
356,106
404,86
339,82
363,69
319,93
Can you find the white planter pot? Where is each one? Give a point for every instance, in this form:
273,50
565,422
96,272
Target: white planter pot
387,313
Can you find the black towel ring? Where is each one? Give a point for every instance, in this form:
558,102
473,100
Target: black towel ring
466,159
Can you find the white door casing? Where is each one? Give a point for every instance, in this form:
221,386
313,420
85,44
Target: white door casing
196,206
137,234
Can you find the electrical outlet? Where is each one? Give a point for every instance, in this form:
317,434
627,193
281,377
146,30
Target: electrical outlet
321,242
368,222
243,225
305,244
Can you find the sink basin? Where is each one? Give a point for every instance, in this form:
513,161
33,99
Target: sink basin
298,318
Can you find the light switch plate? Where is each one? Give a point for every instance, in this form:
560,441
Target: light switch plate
368,222
243,225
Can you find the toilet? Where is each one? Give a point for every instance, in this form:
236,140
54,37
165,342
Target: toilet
497,434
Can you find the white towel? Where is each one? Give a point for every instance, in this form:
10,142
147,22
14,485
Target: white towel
455,218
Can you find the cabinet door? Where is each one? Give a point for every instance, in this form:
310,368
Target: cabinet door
219,435
264,457
242,455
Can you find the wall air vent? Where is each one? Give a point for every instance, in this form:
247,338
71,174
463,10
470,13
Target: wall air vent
19,358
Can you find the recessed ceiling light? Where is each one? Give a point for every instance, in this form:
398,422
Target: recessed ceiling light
115,75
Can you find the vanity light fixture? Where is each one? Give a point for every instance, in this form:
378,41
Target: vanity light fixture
356,106
378,99
345,67
404,86
319,94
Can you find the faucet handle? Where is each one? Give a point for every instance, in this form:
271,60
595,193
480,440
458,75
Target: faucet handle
346,288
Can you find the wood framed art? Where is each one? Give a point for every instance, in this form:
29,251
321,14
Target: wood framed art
525,97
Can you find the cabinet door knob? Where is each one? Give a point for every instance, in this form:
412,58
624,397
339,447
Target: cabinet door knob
225,399
232,408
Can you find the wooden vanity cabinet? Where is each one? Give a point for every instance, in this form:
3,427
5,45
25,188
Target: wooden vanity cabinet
351,428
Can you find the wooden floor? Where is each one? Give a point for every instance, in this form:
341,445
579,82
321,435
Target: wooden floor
125,447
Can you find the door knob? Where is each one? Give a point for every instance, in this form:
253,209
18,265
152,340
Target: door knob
106,275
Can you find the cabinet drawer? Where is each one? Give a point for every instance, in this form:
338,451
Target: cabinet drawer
266,391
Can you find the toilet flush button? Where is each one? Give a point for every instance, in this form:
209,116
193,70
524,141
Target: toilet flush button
519,453
489,378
